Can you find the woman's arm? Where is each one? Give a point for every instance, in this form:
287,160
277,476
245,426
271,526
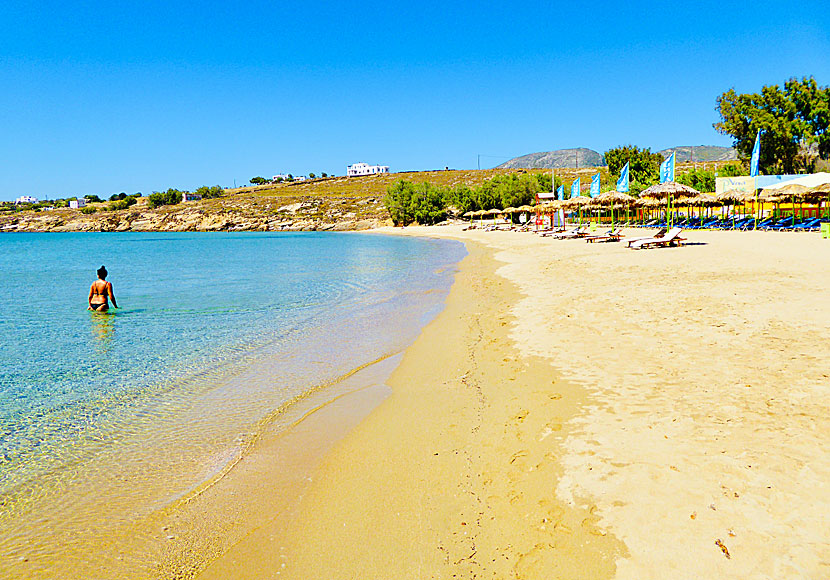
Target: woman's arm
90,298
112,296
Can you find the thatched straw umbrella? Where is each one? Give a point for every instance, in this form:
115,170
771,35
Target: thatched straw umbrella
793,191
666,191
818,192
577,202
730,199
614,199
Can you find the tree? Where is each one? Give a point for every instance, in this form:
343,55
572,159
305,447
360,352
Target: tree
209,192
407,202
312,176
643,168
169,197
92,198
258,180
323,174
699,179
793,122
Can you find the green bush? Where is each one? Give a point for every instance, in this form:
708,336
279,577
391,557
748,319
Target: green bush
92,198
423,203
209,192
703,181
169,197
124,203
731,170
88,210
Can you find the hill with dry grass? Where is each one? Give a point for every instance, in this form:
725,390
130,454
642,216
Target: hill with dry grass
332,203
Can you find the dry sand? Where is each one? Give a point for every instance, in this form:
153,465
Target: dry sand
589,411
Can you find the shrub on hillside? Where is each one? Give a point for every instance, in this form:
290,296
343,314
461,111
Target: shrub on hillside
169,197
88,210
408,202
703,181
122,203
209,192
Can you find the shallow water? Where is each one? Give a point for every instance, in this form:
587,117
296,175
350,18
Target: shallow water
106,418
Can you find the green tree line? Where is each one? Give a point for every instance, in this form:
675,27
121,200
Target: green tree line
425,203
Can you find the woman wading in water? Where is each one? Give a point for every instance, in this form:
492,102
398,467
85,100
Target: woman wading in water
101,292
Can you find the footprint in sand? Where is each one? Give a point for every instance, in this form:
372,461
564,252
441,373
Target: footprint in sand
549,429
521,415
517,455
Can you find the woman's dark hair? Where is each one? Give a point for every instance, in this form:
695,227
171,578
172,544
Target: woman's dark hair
102,272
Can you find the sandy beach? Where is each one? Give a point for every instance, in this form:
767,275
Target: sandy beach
588,411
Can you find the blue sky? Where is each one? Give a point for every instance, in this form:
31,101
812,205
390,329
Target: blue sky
145,96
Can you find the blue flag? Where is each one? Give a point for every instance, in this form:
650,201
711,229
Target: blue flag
575,188
667,169
622,182
756,155
560,192
595,185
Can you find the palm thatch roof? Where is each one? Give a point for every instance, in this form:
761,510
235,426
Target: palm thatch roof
669,188
578,201
648,202
731,197
702,199
613,198
823,188
524,208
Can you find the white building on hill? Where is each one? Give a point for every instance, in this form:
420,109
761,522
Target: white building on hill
26,199
365,169
77,203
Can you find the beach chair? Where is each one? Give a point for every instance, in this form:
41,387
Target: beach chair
670,239
658,234
573,234
610,236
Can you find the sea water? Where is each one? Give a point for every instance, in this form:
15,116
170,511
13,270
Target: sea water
105,418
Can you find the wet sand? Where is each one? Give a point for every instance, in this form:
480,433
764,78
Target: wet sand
589,411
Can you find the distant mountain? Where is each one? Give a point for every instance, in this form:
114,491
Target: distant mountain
684,153
580,157
584,157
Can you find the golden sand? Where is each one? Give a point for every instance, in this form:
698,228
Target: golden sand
588,411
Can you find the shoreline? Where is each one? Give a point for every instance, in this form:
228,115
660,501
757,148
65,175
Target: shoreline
183,527
692,446
371,511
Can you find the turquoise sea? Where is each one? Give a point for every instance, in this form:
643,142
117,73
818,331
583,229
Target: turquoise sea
216,334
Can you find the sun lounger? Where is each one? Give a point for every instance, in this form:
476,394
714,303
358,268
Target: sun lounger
658,234
577,233
670,239
610,236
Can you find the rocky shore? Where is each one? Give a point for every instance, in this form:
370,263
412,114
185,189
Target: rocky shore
223,214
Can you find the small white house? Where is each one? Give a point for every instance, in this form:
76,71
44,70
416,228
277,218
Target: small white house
365,169
280,177
77,203
187,196
26,199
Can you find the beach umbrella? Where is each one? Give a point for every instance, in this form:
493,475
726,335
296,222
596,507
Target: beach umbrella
792,191
729,198
819,192
613,199
667,190
577,202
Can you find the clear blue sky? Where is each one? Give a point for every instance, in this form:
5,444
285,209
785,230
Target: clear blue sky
102,97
